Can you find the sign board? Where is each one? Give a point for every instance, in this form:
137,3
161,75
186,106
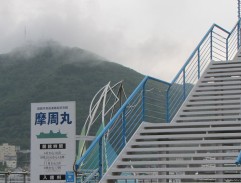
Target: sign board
53,142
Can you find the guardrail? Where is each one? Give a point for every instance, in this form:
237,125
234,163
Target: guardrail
143,104
155,100
217,44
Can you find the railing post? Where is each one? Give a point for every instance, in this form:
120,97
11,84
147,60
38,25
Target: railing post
198,63
167,105
211,45
6,177
238,9
184,84
100,158
124,127
24,177
227,49
238,31
143,102
238,35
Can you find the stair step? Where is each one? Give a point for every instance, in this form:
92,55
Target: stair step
220,83
224,70
214,102
213,79
166,169
178,155
222,64
202,141
182,149
188,136
147,125
153,177
210,112
226,117
218,88
206,98
222,75
188,109
191,129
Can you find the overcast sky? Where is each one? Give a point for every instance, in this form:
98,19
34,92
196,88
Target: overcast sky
154,37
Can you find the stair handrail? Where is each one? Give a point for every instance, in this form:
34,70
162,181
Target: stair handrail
118,113
215,45
196,49
225,56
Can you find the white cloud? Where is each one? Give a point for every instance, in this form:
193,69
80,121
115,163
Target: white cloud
154,37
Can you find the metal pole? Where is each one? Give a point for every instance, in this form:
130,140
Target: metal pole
167,104
24,177
226,49
6,177
238,9
198,63
100,158
238,31
184,84
238,35
143,103
143,100
124,127
211,45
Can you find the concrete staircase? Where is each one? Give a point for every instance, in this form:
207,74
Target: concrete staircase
199,145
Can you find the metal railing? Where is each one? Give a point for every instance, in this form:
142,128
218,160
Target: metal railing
14,177
145,103
155,100
217,44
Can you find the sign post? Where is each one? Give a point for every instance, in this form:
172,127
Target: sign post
53,126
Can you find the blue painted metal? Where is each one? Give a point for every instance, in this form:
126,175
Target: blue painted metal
193,53
143,102
211,45
238,35
198,64
239,9
227,49
238,159
199,55
135,108
124,128
100,158
119,112
184,85
167,105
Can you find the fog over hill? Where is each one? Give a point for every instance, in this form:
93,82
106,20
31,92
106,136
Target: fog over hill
50,72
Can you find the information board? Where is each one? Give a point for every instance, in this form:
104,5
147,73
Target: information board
53,128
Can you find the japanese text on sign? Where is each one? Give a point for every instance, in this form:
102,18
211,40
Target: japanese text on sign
52,118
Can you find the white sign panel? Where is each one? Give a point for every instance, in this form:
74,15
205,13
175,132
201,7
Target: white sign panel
53,142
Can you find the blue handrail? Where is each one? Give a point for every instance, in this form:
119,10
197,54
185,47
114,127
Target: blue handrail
157,100
216,40
196,49
123,107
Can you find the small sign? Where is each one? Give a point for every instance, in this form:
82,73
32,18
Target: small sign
69,176
53,126
52,177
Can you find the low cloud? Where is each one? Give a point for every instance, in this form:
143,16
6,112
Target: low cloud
146,36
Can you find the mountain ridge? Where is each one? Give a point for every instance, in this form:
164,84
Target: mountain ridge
49,73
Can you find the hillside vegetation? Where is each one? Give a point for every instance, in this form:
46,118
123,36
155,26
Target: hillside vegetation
51,73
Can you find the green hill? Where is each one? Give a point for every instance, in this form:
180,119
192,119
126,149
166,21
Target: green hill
49,73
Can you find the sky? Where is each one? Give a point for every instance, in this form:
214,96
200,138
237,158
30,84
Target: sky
153,37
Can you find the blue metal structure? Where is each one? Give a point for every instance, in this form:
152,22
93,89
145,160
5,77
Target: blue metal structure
238,9
155,100
238,160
